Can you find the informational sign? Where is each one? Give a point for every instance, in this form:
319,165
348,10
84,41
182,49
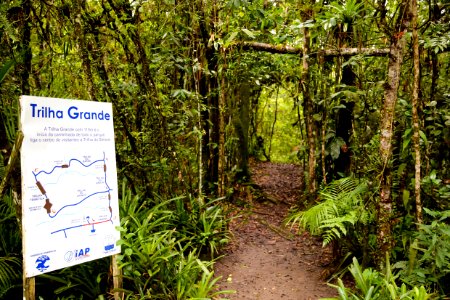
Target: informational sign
69,183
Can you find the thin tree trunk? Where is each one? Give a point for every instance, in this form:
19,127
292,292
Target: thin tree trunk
221,112
300,128
309,109
384,205
197,78
25,66
272,131
324,95
241,122
415,114
322,152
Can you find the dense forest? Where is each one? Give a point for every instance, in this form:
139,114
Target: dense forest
359,95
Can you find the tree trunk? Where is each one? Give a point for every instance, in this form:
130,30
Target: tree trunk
221,112
25,66
415,113
241,121
207,58
272,129
324,94
309,108
384,205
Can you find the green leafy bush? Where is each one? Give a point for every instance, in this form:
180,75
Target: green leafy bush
372,285
161,245
10,251
204,224
429,261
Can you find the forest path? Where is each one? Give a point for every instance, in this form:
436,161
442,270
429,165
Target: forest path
265,260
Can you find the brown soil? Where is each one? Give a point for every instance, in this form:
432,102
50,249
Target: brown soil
265,259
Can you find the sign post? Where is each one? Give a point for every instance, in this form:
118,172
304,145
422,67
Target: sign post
69,183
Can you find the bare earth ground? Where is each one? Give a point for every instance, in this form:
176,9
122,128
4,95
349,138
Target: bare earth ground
266,260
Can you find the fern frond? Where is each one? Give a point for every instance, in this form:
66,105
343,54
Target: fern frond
342,206
333,228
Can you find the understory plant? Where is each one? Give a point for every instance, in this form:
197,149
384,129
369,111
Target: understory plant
10,252
373,285
340,214
204,223
161,246
429,259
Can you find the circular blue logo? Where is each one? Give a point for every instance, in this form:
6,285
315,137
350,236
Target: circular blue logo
41,261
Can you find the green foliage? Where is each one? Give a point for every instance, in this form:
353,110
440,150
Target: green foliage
429,259
10,251
278,113
340,209
439,40
343,14
10,235
5,69
86,281
372,285
9,273
161,244
9,116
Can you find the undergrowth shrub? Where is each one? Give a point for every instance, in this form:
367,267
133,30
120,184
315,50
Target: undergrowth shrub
341,215
204,224
373,285
10,249
429,259
162,244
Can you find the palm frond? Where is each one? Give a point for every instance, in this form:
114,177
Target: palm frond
9,273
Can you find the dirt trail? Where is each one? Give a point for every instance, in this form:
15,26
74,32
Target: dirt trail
265,260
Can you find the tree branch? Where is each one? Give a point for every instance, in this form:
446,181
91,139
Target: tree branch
284,49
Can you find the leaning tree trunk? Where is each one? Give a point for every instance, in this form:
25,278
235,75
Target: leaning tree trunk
384,205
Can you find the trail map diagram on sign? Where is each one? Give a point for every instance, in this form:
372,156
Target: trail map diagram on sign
75,195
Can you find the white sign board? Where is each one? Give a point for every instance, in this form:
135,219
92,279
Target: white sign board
69,183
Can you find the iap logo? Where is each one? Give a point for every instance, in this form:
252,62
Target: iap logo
41,261
76,254
109,244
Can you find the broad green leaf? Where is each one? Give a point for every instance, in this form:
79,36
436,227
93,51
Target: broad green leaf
407,132
249,33
231,38
405,197
5,69
406,144
424,137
